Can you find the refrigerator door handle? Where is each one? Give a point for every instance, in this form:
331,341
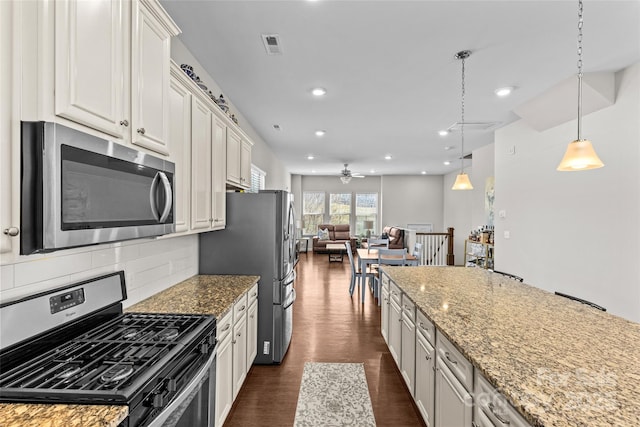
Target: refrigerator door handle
293,299
293,278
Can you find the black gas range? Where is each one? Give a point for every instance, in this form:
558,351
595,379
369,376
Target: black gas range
75,345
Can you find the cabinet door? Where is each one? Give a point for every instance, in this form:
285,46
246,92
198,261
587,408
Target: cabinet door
200,164
219,171
252,334
239,341
224,380
245,164
150,58
90,57
234,145
454,405
425,379
180,149
408,353
384,315
395,331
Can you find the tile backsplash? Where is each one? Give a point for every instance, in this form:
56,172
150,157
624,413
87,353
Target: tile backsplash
150,265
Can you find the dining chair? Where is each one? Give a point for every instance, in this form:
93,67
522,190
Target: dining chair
387,257
356,273
378,243
417,251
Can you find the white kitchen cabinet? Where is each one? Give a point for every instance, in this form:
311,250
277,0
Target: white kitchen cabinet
491,409
180,146
234,144
425,378
219,173
453,403
395,331
252,326
151,33
91,81
239,353
200,164
385,307
408,343
245,164
224,370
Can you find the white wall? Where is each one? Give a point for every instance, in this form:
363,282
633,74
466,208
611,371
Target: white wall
410,199
483,168
575,232
278,178
150,265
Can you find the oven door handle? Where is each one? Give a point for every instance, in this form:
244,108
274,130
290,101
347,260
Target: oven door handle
184,394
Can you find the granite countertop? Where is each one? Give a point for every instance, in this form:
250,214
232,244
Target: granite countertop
204,294
201,294
558,362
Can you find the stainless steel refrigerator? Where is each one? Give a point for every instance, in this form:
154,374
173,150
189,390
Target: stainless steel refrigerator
259,239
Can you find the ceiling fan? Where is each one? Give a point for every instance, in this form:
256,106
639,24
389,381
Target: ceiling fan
347,175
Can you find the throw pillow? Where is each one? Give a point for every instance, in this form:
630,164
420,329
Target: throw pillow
323,234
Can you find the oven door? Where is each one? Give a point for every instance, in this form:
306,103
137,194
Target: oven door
86,190
195,405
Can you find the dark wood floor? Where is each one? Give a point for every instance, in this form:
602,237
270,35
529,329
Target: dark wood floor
329,326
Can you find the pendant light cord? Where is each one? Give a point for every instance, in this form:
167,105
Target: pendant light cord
580,22
462,122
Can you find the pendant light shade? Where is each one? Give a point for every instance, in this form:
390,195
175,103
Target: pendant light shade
462,182
580,154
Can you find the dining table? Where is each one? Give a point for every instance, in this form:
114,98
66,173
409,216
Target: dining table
368,256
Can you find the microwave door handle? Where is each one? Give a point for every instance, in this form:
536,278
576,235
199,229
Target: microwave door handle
168,197
152,196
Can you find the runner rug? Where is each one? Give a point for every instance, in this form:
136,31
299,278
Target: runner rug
334,394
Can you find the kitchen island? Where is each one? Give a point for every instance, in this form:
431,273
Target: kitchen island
558,362
200,294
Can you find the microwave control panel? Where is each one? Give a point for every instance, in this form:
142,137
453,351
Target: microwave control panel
66,300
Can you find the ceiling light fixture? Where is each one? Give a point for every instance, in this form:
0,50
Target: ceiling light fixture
372,171
345,179
310,157
423,172
504,91
319,91
443,132
320,132
446,162
580,154
387,157
462,180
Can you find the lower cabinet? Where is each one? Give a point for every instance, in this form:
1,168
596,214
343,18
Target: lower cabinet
491,409
224,370
424,395
408,352
453,404
237,348
395,331
384,315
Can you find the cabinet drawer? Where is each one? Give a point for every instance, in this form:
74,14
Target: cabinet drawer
493,406
408,308
455,361
385,281
223,327
426,327
395,293
240,308
252,295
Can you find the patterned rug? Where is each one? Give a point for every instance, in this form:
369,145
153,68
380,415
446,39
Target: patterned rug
334,394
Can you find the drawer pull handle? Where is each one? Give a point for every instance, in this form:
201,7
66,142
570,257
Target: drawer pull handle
498,416
141,131
242,308
11,231
446,354
226,327
254,294
124,123
427,357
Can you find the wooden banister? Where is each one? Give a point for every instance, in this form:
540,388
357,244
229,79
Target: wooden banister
434,247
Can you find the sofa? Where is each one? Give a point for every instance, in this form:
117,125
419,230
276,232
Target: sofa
396,237
339,233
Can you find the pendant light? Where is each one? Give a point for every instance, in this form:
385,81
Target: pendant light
462,180
580,154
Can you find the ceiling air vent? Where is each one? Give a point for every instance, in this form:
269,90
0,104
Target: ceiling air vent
472,126
272,44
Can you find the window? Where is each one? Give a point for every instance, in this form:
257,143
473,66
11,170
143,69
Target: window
366,210
312,211
257,179
340,208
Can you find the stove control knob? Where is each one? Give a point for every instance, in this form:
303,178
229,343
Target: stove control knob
158,401
204,348
212,340
172,385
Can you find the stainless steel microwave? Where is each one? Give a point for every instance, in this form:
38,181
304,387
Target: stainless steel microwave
78,189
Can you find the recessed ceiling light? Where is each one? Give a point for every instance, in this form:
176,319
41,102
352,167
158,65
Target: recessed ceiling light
372,171
387,157
313,171
504,91
310,157
443,132
320,132
448,147
319,91
447,163
423,172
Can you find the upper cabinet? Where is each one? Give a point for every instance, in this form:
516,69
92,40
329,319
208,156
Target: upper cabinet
151,35
112,68
238,160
